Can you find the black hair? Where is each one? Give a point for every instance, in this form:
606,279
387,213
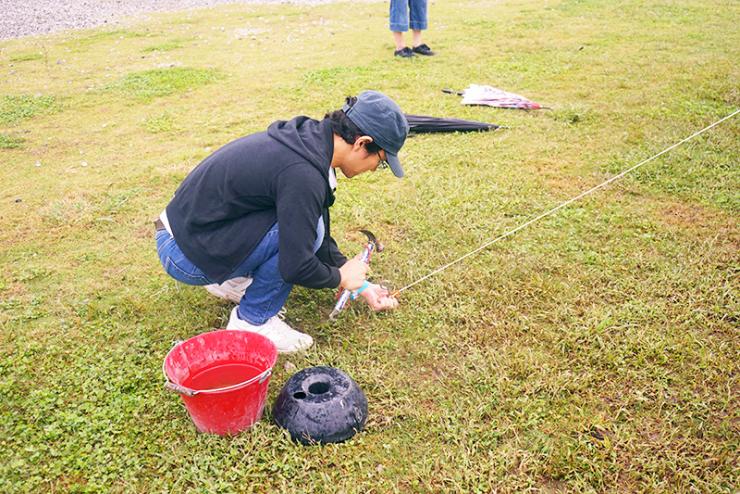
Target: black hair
346,128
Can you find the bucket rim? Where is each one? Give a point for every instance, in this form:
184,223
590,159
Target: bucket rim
179,388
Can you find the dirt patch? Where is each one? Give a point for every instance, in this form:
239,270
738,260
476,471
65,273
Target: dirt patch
697,218
553,486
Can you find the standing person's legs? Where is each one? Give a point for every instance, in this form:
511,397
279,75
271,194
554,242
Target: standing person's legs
416,37
418,23
399,24
398,40
399,19
418,15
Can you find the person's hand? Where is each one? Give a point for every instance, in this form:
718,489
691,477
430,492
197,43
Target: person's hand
353,273
379,298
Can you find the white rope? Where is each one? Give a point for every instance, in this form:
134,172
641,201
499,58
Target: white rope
569,201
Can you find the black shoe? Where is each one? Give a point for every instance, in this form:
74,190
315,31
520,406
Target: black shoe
423,49
404,52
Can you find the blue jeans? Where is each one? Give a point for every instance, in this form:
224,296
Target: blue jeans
267,293
400,15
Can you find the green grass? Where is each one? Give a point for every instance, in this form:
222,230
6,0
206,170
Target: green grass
154,83
595,351
10,142
94,38
26,57
163,122
13,109
169,45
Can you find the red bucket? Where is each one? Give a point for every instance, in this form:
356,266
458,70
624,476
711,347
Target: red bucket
222,377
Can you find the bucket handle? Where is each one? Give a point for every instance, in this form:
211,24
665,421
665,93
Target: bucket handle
183,390
180,389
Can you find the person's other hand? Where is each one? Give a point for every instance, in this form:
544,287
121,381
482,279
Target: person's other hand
353,273
379,298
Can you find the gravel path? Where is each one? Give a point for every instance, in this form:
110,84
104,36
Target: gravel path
28,17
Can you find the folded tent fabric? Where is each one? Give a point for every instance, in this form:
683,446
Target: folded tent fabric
422,124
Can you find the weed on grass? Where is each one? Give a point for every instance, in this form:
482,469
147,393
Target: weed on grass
10,142
570,116
86,42
167,46
164,122
153,83
14,109
706,174
26,57
331,76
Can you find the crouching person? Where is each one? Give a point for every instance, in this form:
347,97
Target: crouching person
252,219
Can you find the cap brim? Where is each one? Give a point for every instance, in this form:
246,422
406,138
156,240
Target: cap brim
394,163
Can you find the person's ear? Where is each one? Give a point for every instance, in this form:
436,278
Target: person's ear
362,141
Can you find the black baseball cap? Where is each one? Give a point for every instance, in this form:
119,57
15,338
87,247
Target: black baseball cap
382,119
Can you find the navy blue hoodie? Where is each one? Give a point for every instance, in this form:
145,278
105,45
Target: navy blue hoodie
229,201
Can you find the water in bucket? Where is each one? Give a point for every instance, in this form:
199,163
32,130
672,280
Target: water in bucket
221,376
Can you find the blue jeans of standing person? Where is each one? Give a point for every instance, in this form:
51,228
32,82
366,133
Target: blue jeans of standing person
402,10
267,293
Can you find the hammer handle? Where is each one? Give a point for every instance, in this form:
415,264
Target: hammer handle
344,296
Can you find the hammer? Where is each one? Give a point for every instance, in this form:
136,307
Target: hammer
372,245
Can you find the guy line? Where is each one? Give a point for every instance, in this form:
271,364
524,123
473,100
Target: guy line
566,203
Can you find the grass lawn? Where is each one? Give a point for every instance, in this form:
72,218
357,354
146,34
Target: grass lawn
595,351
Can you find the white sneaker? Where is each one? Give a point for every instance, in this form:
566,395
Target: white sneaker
232,290
286,339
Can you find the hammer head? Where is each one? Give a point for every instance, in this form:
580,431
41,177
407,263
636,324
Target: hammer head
371,238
